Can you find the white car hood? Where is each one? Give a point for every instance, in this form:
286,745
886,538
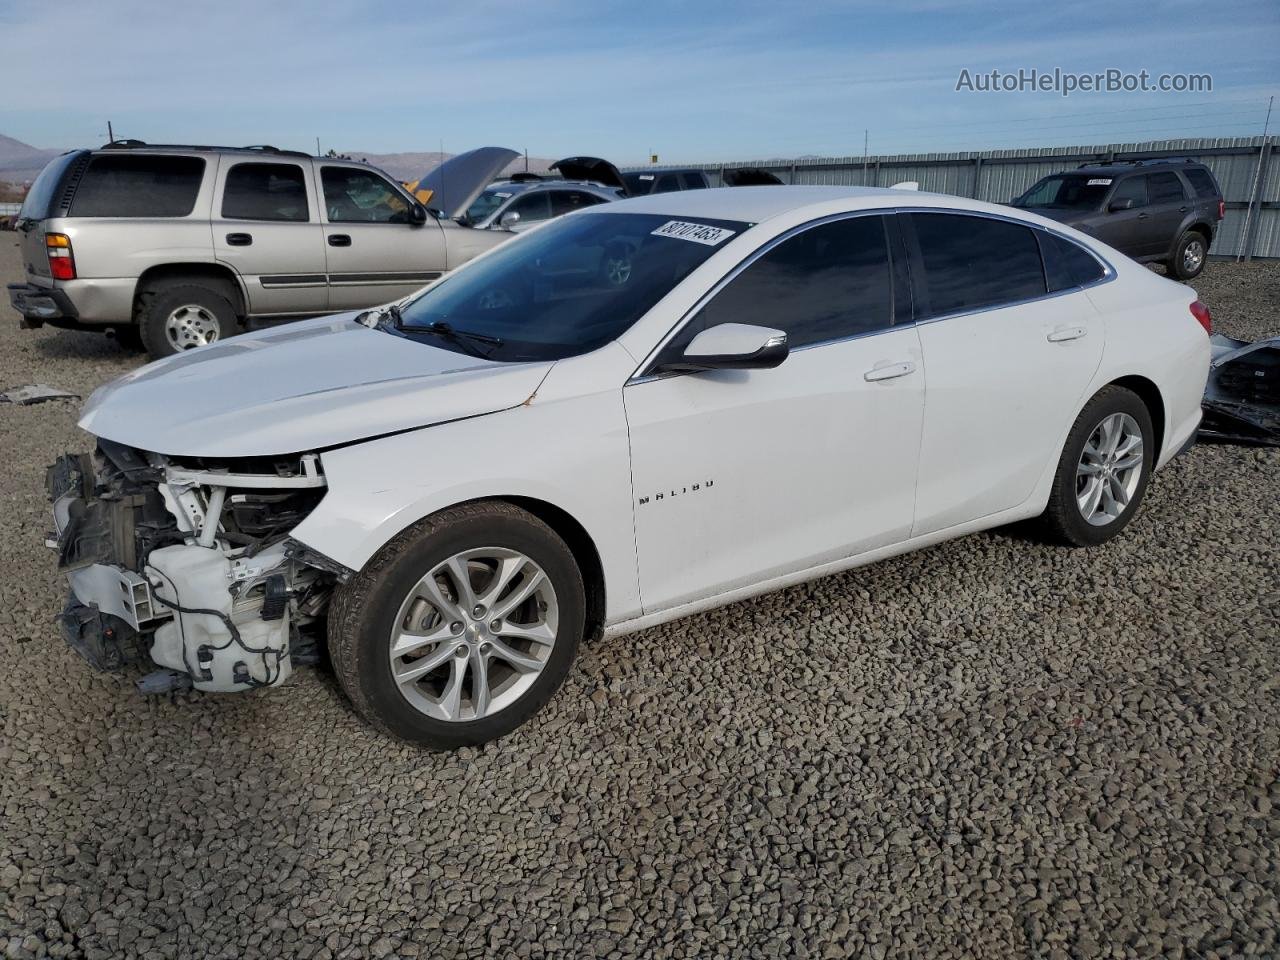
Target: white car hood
310,385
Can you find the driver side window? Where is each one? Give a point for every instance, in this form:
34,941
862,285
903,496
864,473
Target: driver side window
829,282
361,196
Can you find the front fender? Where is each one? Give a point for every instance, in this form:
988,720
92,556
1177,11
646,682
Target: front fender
571,453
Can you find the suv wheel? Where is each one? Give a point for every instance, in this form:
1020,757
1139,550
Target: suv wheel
1189,255
182,316
460,628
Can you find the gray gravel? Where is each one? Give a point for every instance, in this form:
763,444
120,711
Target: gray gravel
991,749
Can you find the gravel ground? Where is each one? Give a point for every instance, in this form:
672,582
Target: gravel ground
990,749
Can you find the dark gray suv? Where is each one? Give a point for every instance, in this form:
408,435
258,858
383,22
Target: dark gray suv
1153,210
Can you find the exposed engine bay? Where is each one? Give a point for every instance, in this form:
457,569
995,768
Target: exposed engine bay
189,566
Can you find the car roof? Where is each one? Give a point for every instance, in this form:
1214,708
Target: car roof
757,204
514,187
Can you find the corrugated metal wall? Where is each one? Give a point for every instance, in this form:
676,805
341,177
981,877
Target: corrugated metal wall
1000,175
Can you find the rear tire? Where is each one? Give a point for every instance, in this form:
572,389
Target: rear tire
1189,256
174,317
1095,492
386,629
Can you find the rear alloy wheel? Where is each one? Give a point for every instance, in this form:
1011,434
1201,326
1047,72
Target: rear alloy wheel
461,628
1103,471
1189,255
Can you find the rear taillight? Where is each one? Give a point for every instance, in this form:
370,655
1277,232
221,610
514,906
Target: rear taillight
62,265
1222,208
1201,313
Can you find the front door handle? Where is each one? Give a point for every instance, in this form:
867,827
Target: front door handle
889,371
239,239
1063,334
339,240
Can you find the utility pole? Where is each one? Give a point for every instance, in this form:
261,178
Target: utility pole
526,159
317,146
866,138
1257,178
111,137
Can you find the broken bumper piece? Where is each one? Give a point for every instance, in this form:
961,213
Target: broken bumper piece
1242,396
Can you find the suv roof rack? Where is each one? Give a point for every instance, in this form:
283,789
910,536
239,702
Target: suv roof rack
525,176
254,148
1149,162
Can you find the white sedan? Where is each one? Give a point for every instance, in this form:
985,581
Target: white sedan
628,415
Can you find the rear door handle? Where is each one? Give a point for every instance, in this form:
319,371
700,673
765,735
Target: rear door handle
239,239
889,371
1063,334
339,240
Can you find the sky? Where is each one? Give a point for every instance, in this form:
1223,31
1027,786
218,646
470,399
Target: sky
692,81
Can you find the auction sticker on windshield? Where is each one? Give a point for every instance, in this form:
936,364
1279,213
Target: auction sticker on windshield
697,232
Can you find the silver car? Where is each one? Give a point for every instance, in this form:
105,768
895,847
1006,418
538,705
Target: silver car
526,200
179,246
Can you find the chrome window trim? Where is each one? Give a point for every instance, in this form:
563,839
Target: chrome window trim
1108,274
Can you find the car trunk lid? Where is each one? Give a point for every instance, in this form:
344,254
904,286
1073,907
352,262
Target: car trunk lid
592,169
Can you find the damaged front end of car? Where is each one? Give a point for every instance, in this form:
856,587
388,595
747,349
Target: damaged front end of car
188,565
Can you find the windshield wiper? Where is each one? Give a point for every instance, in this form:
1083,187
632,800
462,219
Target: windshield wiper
464,338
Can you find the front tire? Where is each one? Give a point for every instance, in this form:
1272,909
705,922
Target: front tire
1103,471
461,628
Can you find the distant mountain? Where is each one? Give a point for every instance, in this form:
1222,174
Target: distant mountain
20,162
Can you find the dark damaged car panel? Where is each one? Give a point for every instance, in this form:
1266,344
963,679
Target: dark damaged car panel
1242,396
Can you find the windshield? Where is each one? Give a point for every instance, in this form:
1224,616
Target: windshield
567,288
1070,192
484,205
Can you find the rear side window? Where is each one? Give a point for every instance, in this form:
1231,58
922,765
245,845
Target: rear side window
1164,188
566,201
971,263
38,202
1202,182
829,282
138,186
1067,265
266,191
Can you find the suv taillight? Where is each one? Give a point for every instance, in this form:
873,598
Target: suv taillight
1201,313
1222,208
62,265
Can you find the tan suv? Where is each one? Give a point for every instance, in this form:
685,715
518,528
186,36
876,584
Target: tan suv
178,246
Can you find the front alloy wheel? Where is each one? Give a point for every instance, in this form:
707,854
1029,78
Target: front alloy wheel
461,627
473,635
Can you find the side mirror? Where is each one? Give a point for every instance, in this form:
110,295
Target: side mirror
509,219
417,214
732,346
1115,206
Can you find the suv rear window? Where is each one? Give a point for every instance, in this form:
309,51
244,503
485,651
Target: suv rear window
1202,182
138,186
266,191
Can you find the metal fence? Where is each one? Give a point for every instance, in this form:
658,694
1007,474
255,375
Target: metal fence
9,209
1000,175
